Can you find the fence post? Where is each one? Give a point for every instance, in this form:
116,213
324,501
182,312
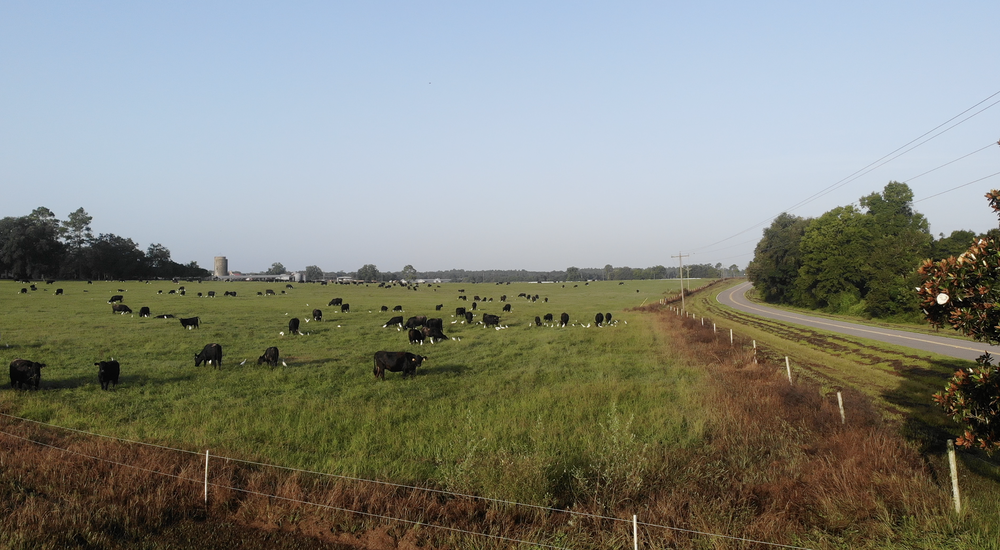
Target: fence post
755,351
730,337
635,533
953,464
840,401
206,476
788,367
713,328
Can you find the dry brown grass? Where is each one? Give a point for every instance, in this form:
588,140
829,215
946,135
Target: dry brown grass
777,466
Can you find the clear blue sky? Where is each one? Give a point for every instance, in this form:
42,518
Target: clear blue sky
511,135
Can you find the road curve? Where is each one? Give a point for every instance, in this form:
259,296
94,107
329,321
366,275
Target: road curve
963,349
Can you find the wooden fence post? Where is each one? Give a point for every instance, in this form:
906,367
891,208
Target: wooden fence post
840,401
206,476
953,464
635,533
788,367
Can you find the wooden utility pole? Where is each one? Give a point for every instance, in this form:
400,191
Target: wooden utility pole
680,258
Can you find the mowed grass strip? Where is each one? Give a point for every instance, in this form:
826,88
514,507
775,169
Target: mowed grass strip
510,413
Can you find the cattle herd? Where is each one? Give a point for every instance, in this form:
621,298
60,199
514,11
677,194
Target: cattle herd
419,329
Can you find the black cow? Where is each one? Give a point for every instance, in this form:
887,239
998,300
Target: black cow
120,308
25,291
172,292
598,319
396,361
435,323
199,294
468,317
548,317
293,325
144,311
211,294
289,286
270,357
211,354
190,323
317,315
25,373
538,321
165,316
564,319
459,312
506,307
438,307
416,321
433,333
491,320
268,292
503,297
473,306
398,320
59,291
607,318
335,302
116,298
384,309
345,308
415,336
107,373
397,308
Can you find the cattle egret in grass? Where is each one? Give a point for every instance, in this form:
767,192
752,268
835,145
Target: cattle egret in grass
243,362
338,326
284,364
282,333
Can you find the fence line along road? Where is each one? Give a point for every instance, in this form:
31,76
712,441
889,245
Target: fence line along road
952,347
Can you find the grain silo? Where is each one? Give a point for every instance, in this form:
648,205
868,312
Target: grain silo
221,266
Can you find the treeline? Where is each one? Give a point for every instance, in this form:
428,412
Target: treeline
608,273
853,259
40,246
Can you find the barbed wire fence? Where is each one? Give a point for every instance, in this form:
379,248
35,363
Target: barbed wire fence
629,527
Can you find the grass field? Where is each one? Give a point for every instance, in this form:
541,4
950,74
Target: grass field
536,396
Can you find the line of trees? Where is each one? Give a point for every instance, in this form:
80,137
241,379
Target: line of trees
853,259
371,273
40,246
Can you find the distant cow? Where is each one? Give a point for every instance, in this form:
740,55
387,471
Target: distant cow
211,354
416,321
59,291
415,336
293,325
107,373
564,319
459,312
397,308
607,318
116,298
268,292
491,320
538,321
473,306
468,317
598,319
384,309
165,316
438,307
435,323
336,302
396,361
25,373
433,333
172,292
144,311
317,315
25,291
190,323
548,317
270,357
398,320
120,308
289,286
506,307
345,308
211,294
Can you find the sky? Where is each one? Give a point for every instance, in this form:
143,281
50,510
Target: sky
478,135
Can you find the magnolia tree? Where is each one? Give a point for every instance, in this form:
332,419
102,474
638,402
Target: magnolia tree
964,293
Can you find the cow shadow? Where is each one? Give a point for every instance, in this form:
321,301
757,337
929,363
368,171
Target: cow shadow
123,380
452,369
20,346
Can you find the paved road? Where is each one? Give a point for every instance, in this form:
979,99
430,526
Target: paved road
964,349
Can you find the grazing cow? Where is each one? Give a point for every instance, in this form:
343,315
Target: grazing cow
538,321
335,302
415,336
107,373
116,298
144,311
211,354
33,288
211,294
59,291
435,323
317,315
468,317
607,318
190,323
120,308
476,299
522,295
384,309
473,306
258,293
50,282
396,361
459,312
293,325
598,319
564,319
548,317
165,316
506,308
416,321
438,307
26,373
491,320
181,292
398,321
268,292
199,294
345,308
25,291
270,357
463,298
289,286
172,292
433,333
503,297
397,308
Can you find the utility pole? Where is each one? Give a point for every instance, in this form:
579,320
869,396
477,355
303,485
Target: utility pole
680,258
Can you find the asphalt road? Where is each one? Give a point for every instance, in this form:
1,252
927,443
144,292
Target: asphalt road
963,349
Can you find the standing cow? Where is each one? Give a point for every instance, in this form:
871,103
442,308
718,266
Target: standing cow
270,357
564,319
293,325
396,361
317,315
25,373
107,373
211,354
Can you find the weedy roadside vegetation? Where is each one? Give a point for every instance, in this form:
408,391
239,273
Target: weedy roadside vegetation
659,418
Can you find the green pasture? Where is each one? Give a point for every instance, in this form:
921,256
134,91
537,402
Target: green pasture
513,413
